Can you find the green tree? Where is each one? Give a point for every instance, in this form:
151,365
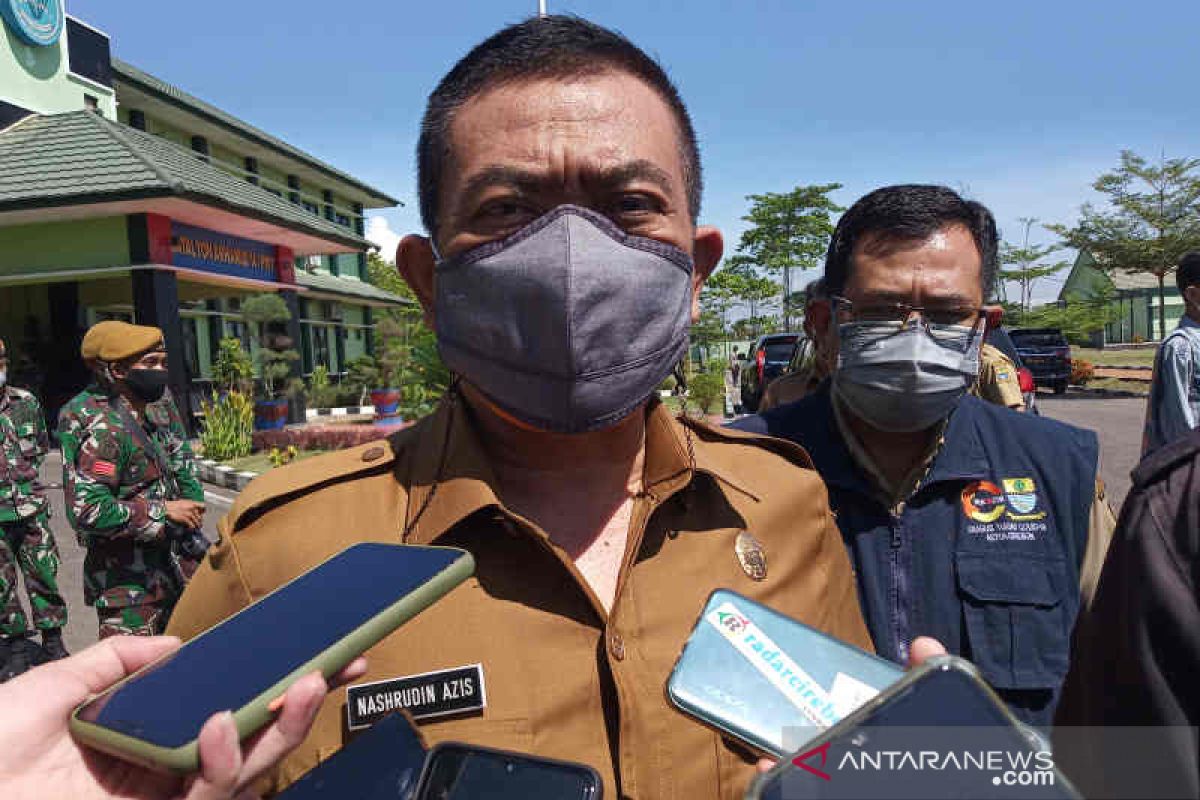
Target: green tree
269,314
1152,220
1077,319
1027,264
789,231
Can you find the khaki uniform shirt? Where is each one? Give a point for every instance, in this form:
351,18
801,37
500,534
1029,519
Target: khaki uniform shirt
563,678
998,382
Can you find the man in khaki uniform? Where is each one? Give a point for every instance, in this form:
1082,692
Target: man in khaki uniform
556,154
998,381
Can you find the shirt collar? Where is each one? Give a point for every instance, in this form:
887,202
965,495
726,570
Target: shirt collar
450,456
955,455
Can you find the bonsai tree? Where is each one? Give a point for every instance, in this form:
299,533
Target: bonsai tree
269,315
362,375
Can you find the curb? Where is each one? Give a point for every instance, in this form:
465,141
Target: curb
220,475
344,411
1110,393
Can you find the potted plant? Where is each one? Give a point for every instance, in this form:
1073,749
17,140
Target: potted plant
362,375
393,353
276,356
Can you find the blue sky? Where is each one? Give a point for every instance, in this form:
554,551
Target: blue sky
1019,104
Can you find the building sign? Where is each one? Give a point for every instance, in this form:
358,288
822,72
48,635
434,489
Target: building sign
200,248
36,22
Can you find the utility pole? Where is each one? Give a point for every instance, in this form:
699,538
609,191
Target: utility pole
541,8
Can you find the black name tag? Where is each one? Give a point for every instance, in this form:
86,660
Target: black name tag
432,694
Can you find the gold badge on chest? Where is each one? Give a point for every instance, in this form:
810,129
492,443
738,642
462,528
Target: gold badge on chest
751,556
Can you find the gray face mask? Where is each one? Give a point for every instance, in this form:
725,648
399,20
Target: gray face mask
905,380
568,324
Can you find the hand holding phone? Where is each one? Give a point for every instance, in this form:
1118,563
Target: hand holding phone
246,662
39,758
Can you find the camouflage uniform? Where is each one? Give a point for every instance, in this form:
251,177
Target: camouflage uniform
137,560
25,537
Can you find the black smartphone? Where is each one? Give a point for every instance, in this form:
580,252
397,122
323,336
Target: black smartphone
455,771
938,733
382,763
154,716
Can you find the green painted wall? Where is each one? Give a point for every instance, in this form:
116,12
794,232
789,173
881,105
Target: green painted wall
37,78
28,249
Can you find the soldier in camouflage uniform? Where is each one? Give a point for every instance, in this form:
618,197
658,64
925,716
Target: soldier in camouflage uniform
131,485
26,543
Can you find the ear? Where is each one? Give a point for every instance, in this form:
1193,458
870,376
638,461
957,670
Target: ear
1192,295
707,248
818,314
415,262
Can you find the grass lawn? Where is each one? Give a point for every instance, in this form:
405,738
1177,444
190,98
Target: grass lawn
261,462
1115,358
1116,384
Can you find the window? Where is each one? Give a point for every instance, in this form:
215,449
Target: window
88,53
343,220
91,103
310,207
294,185
137,119
191,348
320,340
252,168
200,145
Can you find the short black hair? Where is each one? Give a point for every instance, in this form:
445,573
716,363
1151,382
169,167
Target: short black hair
555,46
907,213
1188,272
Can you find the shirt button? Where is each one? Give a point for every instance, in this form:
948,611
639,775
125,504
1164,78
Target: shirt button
616,646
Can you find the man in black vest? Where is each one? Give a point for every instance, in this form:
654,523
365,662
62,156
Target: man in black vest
966,521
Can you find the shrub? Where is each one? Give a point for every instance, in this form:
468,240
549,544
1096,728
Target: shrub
705,390
1081,372
228,426
233,368
280,457
669,384
321,393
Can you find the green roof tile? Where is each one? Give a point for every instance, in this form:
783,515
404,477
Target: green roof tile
82,157
148,82
347,286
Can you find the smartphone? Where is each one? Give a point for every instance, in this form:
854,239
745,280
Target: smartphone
940,732
320,620
766,679
382,763
456,771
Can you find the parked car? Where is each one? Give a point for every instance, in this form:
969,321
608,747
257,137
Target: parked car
999,339
1047,355
765,361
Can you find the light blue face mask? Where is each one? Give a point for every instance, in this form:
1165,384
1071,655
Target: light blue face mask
905,379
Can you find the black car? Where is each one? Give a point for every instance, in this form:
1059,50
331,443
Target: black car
1045,352
765,361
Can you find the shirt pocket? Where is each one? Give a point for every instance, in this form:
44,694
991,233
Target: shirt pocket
1015,618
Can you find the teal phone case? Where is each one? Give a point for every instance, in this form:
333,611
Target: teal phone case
768,680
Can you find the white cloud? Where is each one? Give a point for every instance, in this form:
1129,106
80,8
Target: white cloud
379,232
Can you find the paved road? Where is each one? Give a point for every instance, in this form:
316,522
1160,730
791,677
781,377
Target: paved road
81,621
1117,421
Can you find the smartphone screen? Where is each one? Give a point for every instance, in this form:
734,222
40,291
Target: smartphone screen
381,763
943,736
462,772
234,662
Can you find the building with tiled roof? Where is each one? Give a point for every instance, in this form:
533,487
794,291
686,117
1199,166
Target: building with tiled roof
123,196
1135,297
